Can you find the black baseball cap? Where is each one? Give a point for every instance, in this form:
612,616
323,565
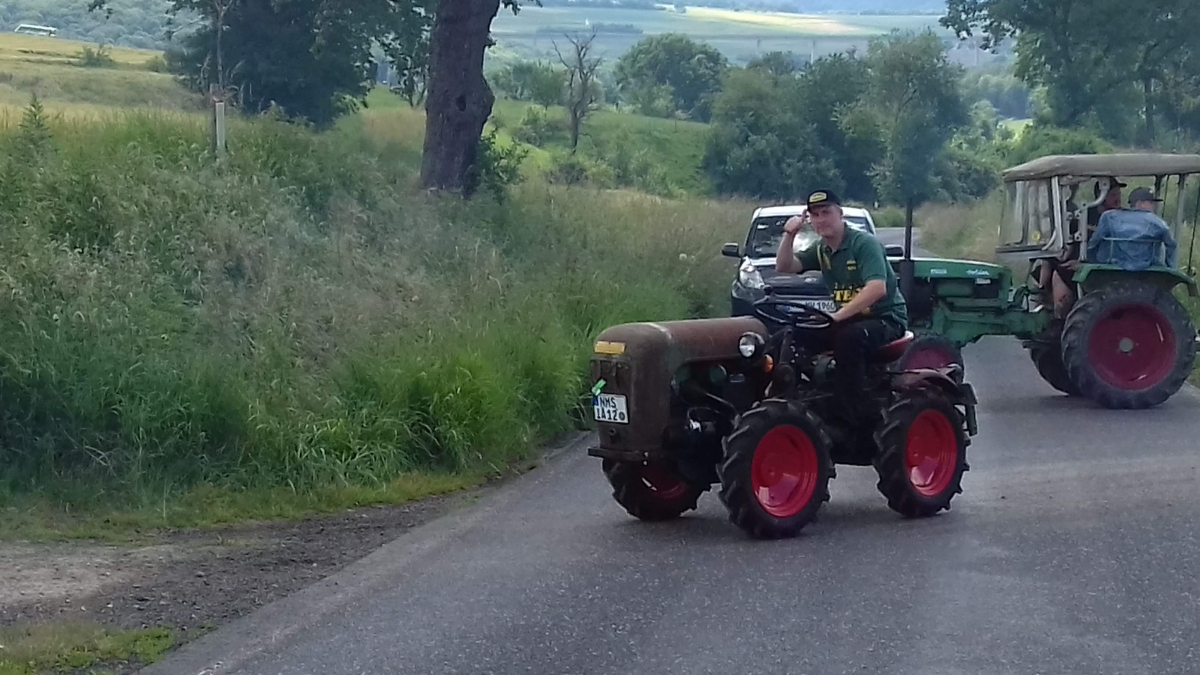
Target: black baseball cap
1142,195
1113,183
822,197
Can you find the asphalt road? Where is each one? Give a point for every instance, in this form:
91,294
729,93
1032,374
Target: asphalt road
1074,549
895,235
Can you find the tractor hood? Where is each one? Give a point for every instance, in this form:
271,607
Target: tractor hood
948,268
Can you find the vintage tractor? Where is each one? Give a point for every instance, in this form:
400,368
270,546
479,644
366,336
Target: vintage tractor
683,405
1127,342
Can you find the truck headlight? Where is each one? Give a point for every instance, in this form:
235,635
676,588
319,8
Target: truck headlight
751,345
750,277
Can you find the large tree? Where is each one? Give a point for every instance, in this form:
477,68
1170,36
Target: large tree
1088,54
310,58
759,145
535,81
460,100
916,103
689,70
808,122
830,87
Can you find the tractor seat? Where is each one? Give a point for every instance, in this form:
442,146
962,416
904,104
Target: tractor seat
892,351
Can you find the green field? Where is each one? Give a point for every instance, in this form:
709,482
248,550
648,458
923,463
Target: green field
739,35
53,69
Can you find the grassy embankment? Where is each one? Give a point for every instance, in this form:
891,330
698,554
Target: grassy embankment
300,328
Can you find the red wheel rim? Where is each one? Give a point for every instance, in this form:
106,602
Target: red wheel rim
930,358
664,484
1132,347
784,471
932,454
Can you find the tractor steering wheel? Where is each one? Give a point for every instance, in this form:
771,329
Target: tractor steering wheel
794,313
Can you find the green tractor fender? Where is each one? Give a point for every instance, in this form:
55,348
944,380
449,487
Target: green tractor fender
1092,276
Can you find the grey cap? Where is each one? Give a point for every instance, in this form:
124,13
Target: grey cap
1142,195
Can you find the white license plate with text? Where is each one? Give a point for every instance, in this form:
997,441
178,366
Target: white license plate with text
827,306
610,408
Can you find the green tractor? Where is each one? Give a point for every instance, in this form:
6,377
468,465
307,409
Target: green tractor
1126,341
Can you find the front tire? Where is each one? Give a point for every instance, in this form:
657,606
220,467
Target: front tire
922,454
776,471
1129,345
651,492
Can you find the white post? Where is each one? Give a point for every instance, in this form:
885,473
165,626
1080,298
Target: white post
217,101
219,111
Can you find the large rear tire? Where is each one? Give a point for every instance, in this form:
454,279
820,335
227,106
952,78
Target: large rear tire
1048,361
650,492
930,350
922,454
776,471
1129,345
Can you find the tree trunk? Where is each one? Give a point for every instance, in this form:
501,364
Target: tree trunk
1150,131
459,100
575,123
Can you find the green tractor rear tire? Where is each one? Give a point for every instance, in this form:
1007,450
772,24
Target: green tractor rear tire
1049,363
1129,345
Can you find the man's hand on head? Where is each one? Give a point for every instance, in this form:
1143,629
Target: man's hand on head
793,225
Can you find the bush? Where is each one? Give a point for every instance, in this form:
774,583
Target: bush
497,166
575,169
536,127
634,165
100,57
1040,141
157,64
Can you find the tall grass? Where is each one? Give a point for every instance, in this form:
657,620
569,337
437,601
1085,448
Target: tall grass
301,316
75,85
968,230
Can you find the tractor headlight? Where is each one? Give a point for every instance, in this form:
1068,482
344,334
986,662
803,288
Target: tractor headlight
750,277
751,345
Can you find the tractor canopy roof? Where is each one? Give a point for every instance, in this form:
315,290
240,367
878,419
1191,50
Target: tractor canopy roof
1113,165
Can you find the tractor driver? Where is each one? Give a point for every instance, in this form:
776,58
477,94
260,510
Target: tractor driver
1056,273
871,310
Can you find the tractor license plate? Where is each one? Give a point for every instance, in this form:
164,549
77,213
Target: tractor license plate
827,306
610,408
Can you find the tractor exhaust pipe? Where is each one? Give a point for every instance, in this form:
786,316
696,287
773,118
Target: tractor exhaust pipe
906,265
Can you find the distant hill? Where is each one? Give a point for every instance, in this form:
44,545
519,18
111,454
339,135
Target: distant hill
132,23
143,23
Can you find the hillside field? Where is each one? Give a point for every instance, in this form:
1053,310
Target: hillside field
53,68
739,35
58,51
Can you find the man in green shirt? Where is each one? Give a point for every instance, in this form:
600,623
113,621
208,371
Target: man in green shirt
871,311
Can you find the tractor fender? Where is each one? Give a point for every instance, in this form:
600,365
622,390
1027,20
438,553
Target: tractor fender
1092,276
941,378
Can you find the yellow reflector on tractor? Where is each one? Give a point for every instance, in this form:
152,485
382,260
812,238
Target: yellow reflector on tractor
610,348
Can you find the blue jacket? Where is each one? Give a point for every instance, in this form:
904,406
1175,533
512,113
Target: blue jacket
1130,239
